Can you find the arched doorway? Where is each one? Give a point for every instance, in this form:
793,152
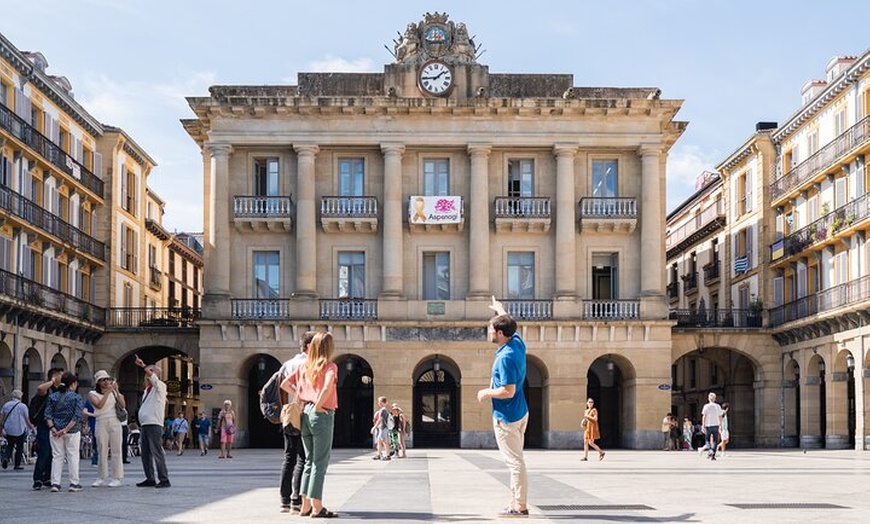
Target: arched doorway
180,373
533,389
33,373
58,361
261,432
604,386
353,420
7,371
436,404
726,372
86,377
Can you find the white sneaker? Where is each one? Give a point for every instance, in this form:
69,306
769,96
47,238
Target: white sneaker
97,483
115,483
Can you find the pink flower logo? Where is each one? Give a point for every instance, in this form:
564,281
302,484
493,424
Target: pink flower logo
444,205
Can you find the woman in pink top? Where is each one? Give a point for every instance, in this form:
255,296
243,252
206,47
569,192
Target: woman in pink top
316,382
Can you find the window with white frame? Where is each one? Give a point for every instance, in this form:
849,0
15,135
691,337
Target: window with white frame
5,253
351,274
605,178
266,177
521,275
840,122
436,177
267,274
841,268
436,275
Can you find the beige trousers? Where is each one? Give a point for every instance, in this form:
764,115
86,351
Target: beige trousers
109,436
510,439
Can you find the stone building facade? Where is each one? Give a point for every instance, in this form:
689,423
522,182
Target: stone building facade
389,207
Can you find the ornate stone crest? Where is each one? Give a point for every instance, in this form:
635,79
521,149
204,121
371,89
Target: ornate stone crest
434,37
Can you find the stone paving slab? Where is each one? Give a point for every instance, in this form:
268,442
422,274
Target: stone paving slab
466,486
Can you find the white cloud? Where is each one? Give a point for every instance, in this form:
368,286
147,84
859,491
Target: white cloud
685,163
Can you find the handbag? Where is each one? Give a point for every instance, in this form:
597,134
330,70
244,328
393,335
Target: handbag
583,423
120,411
291,415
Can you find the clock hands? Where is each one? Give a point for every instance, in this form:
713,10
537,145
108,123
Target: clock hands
436,77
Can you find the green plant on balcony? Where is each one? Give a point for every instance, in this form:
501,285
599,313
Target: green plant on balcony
826,208
850,218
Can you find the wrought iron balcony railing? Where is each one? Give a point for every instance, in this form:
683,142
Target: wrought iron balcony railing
260,308
690,282
156,277
717,318
822,229
148,317
673,290
50,151
711,272
839,296
349,309
611,309
33,214
37,295
529,309
821,160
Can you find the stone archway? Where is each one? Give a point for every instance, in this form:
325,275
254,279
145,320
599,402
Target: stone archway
791,398
34,372
437,403
610,384
353,420
85,375
814,417
261,433
727,372
535,391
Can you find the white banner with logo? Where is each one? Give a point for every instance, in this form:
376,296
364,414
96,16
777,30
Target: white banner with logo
435,210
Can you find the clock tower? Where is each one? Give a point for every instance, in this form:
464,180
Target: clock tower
435,58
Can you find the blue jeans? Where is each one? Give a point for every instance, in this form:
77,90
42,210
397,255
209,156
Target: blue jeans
317,431
42,469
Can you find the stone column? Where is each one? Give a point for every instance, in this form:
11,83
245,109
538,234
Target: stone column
566,267
393,249
216,250
306,222
652,256
478,237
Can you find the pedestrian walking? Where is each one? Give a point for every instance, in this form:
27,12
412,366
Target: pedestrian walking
687,434
725,429
591,432
294,451
90,449
63,415
316,382
37,405
15,423
400,423
666,432
227,429
510,412
202,427
381,431
108,433
711,421
180,427
151,410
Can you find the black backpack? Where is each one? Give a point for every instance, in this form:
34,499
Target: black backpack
36,407
272,398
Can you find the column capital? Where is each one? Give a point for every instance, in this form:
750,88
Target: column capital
649,150
218,149
392,148
306,149
475,149
565,150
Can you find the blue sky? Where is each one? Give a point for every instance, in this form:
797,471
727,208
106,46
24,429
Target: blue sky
734,62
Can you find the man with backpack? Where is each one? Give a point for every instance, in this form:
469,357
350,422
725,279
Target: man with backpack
294,453
42,469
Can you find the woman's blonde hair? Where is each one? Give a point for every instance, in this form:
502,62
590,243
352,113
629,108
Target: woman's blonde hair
319,354
228,402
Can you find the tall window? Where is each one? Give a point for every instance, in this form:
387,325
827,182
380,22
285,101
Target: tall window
351,274
744,193
351,176
605,276
604,178
128,249
128,295
813,143
521,178
4,93
266,177
521,275
436,276
5,253
436,177
840,122
152,256
267,274
128,190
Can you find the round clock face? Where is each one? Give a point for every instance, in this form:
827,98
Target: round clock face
436,78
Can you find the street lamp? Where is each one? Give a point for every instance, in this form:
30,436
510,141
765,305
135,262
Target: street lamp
850,362
822,367
436,364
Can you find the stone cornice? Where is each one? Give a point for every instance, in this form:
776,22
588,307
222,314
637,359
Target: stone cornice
814,106
749,148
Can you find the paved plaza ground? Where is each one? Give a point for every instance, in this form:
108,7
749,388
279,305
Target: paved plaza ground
467,486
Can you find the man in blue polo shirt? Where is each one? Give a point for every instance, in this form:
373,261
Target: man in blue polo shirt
510,413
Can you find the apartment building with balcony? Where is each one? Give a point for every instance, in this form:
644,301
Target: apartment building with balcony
819,255
73,239
389,207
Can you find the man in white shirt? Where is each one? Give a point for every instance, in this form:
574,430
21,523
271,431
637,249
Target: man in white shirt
151,412
711,421
294,453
